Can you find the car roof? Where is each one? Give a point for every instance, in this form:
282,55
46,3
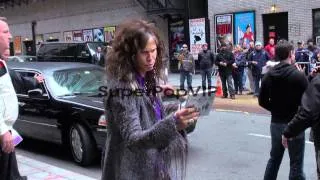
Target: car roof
49,67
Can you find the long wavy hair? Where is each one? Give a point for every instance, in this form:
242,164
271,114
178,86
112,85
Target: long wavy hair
131,37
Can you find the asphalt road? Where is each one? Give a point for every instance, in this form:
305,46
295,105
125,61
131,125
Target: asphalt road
224,146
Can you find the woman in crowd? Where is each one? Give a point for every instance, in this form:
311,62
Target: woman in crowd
143,142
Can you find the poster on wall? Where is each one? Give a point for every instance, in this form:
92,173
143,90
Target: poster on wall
109,32
224,29
177,38
197,29
87,35
67,36
17,45
244,27
77,35
98,35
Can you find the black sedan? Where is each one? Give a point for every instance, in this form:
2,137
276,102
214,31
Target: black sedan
64,108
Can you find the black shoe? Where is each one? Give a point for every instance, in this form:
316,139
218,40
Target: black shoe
250,93
232,97
240,93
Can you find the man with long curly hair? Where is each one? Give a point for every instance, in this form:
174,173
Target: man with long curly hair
143,141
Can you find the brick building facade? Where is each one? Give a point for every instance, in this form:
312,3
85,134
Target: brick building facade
53,18
300,15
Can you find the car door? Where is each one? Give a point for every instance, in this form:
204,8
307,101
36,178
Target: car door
37,117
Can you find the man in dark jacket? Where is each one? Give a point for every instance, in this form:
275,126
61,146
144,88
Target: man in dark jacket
281,92
224,61
206,61
308,115
98,57
257,59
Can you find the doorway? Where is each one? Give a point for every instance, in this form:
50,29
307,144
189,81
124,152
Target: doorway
275,26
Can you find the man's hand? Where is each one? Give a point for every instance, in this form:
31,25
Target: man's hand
315,71
39,78
298,66
284,141
254,62
234,65
7,142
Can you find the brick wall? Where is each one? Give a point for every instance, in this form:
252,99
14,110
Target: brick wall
55,17
299,13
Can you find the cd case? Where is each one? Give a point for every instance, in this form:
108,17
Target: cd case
17,139
201,100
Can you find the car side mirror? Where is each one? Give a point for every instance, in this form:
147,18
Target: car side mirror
35,93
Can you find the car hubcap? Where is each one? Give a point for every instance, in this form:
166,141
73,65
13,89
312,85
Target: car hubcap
76,144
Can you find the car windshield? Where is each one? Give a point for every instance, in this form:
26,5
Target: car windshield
93,46
76,81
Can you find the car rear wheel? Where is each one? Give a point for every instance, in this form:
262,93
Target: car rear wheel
82,146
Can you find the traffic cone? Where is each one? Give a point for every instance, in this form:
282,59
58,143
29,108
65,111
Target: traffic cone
219,92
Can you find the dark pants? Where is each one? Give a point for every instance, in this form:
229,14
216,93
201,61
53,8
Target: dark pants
183,76
296,154
256,79
237,78
226,79
206,75
9,167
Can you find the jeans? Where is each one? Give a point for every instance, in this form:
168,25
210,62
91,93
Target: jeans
237,78
206,75
244,77
226,79
183,76
256,79
250,77
296,154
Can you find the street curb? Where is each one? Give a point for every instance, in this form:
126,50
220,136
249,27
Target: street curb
36,170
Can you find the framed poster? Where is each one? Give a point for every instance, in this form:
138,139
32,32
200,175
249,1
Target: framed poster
77,35
87,35
98,35
17,45
197,35
177,38
109,32
67,36
224,29
244,27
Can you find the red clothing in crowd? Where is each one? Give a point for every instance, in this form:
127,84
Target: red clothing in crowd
268,48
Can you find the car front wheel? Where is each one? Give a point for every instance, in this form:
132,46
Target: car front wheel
81,145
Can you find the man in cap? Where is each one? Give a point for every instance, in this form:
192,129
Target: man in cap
257,59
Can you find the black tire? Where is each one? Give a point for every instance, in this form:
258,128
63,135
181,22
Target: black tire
191,127
81,145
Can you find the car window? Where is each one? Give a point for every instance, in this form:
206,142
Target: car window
68,49
51,50
82,50
24,81
76,81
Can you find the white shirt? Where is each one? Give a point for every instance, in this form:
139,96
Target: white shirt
9,108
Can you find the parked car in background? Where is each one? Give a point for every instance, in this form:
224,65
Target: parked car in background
22,58
68,51
65,108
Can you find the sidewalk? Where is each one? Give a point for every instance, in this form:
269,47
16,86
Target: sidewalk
242,103
36,170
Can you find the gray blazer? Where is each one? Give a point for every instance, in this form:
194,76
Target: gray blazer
138,147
